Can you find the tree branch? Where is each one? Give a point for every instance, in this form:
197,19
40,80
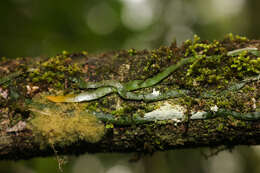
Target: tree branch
200,94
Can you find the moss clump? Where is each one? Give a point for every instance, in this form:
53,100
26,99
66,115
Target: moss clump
233,37
54,70
244,64
197,47
214,67
64,124
131,52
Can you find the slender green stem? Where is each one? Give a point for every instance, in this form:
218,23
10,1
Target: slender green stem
108,118
238,51
232,88
10,77
249,116
124,89
107,87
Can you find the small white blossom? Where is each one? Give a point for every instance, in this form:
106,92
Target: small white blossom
176,121
31,89
155,93
214,108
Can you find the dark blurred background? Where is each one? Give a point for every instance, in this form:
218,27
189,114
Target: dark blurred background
47,27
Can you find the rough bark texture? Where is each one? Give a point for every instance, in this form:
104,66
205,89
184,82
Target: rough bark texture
68,129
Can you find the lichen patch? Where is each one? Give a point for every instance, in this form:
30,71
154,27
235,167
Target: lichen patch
65,124
167,112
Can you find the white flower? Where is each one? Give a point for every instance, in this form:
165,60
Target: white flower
155,93
214,108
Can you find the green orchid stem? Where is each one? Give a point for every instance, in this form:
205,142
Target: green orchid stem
154,97
238,51
91,95
10,77
232,88
250,116
137,84
124,89
108,118
104,88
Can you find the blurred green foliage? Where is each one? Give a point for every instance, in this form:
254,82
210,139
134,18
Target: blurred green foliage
46,27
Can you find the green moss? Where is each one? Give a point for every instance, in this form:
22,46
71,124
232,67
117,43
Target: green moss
233,37
197,47
243,64
119,112
132,52
213,67
209,56
109,126
54,71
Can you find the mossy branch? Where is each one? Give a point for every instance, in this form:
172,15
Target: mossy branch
199,94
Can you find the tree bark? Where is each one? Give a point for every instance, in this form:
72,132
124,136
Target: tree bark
209,100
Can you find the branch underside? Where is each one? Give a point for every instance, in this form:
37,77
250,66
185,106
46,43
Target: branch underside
144,138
